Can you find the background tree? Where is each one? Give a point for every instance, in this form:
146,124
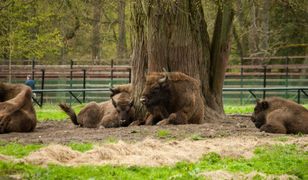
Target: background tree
96,35
121,46
173,35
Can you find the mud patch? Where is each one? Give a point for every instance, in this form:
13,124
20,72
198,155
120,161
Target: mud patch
224,175
153,152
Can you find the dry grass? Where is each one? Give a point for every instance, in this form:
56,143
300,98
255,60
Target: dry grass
152,152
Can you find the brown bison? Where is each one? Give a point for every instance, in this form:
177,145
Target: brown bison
172,98
116,112
17,113
277,115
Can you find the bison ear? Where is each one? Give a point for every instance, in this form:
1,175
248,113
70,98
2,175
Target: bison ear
113,91
114,103
264,105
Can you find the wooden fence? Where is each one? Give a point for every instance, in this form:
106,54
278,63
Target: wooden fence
251,72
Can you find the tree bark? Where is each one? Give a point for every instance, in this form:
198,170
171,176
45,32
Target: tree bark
173,35
121,46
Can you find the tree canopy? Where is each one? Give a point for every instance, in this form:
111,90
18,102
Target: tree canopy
60,30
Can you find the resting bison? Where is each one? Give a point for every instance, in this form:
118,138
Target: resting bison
172,98
16,110
277,115
116,112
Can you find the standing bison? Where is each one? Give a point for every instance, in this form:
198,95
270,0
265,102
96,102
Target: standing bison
116,112
17,113
277,115
172,98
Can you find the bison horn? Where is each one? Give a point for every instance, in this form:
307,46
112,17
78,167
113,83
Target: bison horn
164,79
114,103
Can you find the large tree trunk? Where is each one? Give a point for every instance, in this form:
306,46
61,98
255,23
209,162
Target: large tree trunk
173,35
121,46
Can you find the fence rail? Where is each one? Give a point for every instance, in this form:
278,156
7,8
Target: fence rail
256,72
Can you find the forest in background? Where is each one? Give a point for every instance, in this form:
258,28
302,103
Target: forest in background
95,31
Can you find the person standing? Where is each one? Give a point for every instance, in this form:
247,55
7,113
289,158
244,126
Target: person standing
30,82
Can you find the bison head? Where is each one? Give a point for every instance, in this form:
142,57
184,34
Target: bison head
125,111
258,116
157,91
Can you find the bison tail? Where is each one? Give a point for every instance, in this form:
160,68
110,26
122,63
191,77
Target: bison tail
70,112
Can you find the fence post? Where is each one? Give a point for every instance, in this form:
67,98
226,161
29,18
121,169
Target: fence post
84,85
33,67
287,76
129,75
264,80
298,96
71,79
111,74
42,86
242,72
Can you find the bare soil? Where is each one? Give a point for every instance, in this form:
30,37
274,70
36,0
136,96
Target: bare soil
63,132
146,145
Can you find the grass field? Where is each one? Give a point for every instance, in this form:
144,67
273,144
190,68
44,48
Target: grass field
53,112
279,159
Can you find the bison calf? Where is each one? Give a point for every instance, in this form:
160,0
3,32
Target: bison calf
172,98
277,115
116,112
17,113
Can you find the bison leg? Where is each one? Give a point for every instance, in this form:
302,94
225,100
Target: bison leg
175,118
21,122
270,128
275,122
172,119
4,121
10,106
110,121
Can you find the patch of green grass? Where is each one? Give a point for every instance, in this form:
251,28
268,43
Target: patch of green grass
53,112
278,159
197,137
81,147
242,109
163,133
237,109
18,150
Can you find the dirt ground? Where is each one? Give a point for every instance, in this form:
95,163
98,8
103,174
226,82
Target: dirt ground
146,145
62,132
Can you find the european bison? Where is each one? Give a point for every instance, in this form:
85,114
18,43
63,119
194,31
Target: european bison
277,115
17,113
172,98
116,112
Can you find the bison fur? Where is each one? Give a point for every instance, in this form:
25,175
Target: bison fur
277,115
116,112
17,113
172,98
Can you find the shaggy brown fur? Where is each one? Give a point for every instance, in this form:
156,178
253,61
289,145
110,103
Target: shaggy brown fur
17,113
172,98
116,112
121,88
277,115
